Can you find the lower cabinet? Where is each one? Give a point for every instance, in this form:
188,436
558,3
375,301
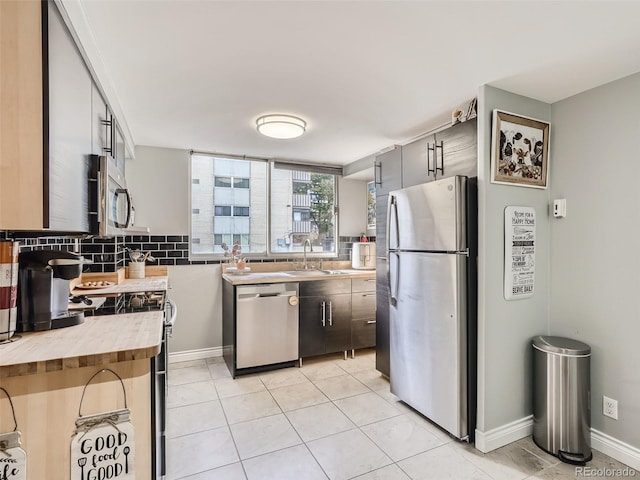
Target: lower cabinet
325,317
336,317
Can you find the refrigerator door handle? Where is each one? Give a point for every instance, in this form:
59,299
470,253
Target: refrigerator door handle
393,300
393,205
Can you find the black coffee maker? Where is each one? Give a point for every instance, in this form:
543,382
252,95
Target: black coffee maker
43,290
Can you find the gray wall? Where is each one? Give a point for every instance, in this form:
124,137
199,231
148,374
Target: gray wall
505,328
594,268
159,181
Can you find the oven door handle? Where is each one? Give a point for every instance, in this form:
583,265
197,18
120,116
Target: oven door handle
174,313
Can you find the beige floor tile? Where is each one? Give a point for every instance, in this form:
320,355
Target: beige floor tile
560,471
199,452
247,407
528,444
283,378
230,387
341,387
348,454
189,375
372,379
321,370
401,437
298,396
194,418
390,472
602,461
264,435
358,364
510,462
187,364
442,463
219,370
319,421
367,408
393,400
190,393
295,463
212,360
228,472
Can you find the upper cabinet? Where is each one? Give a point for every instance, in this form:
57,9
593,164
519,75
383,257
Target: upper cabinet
53,118
69,114
388,171
449,152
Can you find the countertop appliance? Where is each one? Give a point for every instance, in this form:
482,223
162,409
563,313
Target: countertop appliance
431,250
363,256
110,207
159,392
266,324
43,290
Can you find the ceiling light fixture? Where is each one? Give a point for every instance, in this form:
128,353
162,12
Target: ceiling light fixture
281,126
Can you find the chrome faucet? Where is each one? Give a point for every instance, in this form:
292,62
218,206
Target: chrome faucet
304,252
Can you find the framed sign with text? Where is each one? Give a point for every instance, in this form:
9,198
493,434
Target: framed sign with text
519,252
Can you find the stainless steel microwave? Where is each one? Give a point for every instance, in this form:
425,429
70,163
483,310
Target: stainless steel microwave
111,209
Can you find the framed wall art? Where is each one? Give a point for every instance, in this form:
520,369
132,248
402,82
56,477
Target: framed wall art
519,150
371,206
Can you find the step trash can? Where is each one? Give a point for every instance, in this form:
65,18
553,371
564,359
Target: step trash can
562,398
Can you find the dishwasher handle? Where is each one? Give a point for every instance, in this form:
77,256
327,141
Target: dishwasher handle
244,296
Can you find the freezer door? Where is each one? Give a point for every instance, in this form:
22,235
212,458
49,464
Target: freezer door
428,336
428,217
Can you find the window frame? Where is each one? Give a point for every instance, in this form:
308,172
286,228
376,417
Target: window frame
269,253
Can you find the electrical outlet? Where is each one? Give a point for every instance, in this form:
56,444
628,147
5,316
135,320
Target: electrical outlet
610,407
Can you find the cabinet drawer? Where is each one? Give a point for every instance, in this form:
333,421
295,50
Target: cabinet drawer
325,287
363,306
363,285
363,333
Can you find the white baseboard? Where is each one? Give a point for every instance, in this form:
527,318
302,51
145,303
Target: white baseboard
511,432
200,354
615,448
504,435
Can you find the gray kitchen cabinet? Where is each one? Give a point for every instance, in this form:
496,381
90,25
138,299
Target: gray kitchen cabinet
363,313
99,122
325,317
381,224
68,119
449,152
414,162
382,318
388,171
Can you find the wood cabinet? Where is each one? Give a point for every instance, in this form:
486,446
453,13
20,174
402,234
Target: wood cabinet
449,152
388,171
363,313
325,317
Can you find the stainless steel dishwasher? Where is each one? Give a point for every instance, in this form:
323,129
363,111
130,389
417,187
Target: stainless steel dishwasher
266,324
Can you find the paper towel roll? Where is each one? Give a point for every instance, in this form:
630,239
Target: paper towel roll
8,288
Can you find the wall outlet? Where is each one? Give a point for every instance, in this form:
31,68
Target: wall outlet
610,407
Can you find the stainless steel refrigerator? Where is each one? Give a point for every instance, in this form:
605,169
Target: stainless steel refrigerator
431,254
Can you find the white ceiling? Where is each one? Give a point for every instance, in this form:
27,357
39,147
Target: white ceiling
364,74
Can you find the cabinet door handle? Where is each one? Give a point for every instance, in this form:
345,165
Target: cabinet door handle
369,322
430,149
377,167
330,314
368,294
435,153
324,313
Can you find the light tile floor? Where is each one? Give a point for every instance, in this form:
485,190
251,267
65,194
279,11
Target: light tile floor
331,419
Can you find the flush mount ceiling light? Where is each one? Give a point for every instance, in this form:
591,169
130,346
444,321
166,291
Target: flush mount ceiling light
281,126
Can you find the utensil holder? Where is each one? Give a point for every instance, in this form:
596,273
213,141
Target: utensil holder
136,270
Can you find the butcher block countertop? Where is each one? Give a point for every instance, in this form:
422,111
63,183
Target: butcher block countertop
100,340
283,272
129,285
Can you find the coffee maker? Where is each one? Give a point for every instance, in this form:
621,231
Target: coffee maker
43,290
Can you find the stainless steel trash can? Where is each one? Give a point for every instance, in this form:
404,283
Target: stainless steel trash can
562,398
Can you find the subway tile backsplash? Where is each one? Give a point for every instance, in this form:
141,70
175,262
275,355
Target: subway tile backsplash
110,254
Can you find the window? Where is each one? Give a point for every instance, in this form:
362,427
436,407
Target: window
222,210
240,211
268,207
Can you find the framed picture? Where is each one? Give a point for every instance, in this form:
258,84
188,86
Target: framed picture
371,205
519,150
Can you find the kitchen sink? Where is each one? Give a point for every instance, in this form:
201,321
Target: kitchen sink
313,273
